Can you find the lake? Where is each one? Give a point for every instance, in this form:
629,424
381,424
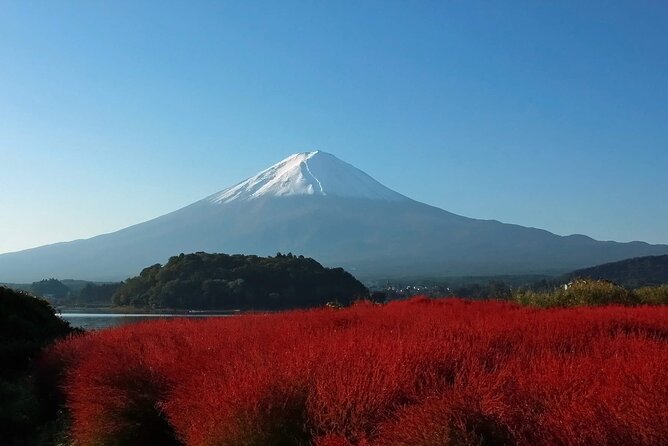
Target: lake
97,321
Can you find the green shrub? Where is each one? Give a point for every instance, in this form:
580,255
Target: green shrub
580,292
27,325
652,295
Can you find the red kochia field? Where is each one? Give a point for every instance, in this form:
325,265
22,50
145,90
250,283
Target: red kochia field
418,372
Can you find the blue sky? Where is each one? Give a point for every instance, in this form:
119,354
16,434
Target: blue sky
545,114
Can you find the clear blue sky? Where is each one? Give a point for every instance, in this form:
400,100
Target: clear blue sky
545,114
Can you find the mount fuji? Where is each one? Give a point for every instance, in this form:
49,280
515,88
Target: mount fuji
319,206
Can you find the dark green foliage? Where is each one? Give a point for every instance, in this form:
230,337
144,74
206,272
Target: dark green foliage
490,290
587,292
50,288
630,273
70,292
378,297
98,293
652,295
27,324
473,287
221,281
75,286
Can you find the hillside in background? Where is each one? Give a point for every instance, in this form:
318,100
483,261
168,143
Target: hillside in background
630,273
69,292
224,282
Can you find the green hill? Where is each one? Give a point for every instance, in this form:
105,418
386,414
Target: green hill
630,273
221,282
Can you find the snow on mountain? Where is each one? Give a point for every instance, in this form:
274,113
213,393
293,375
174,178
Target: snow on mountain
308,173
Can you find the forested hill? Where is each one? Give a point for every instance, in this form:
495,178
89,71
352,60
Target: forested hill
221,282
631,273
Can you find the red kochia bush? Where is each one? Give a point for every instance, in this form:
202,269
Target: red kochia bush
419,372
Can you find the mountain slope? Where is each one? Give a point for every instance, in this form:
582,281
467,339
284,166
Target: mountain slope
316,205
631,273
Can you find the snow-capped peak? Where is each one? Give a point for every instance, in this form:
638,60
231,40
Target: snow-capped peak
308,173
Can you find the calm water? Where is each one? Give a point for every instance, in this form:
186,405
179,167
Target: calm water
96,321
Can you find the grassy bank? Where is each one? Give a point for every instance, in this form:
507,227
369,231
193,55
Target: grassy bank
585,292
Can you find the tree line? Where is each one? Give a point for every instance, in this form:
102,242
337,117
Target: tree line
221,281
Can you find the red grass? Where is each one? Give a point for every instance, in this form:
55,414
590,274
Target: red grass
419,372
